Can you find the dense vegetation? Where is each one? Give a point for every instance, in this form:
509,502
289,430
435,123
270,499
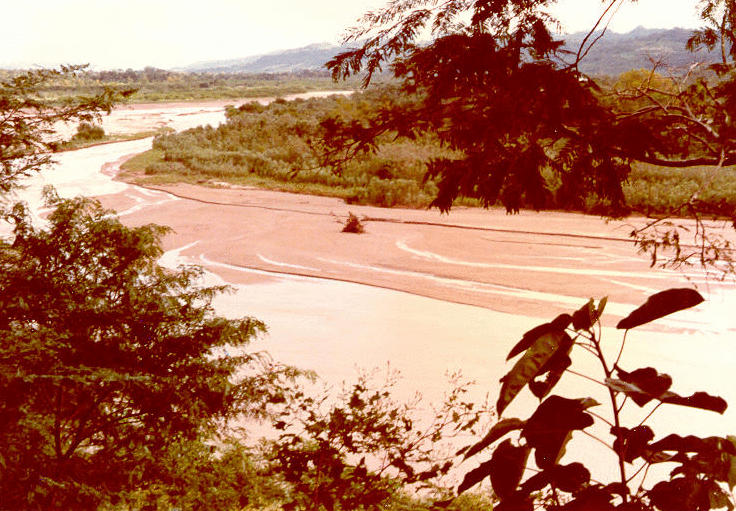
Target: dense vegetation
152,84
278,146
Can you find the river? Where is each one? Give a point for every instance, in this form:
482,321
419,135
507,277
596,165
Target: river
335,327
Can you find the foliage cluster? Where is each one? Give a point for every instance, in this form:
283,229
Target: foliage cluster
108,360
275,145
118,383
87,132
28,120
703,469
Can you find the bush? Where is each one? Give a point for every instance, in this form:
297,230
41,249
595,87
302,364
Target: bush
87,131
353,225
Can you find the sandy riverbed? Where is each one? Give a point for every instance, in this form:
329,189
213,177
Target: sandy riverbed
534,264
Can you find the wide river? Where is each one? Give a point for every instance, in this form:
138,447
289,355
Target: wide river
430,308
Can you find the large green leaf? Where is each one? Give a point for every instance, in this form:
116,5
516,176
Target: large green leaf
556,325
660,305
586,316
497,431
508,464
644,385
550,427
528,367
641,385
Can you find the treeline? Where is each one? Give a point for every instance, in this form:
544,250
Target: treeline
279,146
153,84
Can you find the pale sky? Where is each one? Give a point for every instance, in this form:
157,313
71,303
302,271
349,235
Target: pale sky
112,34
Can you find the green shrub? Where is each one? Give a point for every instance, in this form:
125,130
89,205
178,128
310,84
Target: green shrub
87,131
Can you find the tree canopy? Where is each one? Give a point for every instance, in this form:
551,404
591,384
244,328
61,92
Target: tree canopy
28,120
107,359
495,84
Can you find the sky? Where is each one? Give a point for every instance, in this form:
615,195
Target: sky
120,34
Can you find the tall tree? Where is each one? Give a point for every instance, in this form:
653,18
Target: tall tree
107,359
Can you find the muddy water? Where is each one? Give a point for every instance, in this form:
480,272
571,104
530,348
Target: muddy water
337,327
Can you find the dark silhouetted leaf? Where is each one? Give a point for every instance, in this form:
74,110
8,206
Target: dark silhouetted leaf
660,305
515,503
732,469
572,477
556,325
509,462
698,400
641,385
476,475
593,498
554,368
582,319
535,482
632,443
680,494
497,431
550,427
646,384
528,367
586,316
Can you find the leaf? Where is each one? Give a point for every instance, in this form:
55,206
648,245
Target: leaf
497,431
660,305
582,319
632,443
475,476
700,400
641,385
527,367
680,494
572,477
550,427
692,443
556,325
509,462
555,368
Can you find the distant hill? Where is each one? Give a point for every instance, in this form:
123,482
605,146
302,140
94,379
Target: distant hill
613,54
616,53
310,57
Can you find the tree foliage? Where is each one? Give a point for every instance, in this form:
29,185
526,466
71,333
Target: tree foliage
496,86
703,468
107,359
28,120
365,450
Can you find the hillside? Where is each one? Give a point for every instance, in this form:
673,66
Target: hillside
616,53
613,54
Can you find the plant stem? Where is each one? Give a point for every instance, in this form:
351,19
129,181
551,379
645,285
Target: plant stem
616,419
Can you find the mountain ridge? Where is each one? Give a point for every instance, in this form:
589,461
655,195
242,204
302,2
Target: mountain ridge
613,54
